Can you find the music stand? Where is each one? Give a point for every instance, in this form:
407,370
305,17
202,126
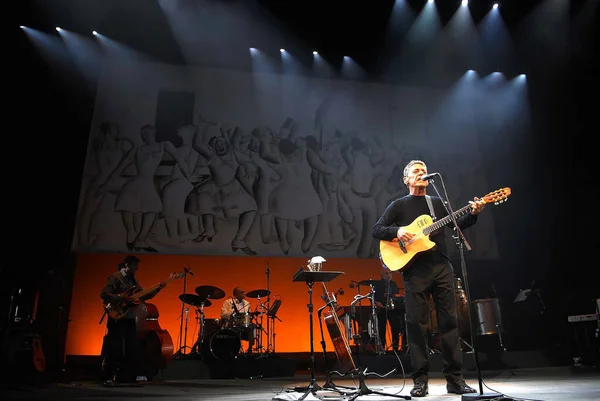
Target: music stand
311,277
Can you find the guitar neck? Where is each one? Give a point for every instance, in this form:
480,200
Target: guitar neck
147,291
448,219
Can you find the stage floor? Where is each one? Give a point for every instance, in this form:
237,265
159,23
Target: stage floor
548,384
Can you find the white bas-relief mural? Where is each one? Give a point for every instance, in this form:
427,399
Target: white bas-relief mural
267,165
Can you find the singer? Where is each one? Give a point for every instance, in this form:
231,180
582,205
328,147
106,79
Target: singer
430,274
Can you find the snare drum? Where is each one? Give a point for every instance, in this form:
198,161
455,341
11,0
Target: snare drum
242,320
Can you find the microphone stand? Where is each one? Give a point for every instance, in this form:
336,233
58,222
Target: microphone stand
460,240
268,273
181,351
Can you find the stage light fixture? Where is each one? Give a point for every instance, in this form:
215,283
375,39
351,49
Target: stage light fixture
465,3
495,5
94,33
282,50
315,52
58,28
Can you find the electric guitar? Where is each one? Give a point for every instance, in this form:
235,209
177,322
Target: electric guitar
118,309
397,255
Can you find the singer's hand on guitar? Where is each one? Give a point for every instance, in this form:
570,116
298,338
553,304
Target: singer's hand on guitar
403,235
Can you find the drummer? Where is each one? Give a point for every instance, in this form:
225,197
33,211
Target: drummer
238,306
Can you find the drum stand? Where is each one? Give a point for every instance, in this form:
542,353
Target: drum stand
200,341
181,352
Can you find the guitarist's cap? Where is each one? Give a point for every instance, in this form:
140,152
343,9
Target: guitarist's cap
129,259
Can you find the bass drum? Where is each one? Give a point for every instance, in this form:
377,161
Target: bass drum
225,344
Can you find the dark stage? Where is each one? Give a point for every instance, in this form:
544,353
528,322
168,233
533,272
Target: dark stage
527,375
544,383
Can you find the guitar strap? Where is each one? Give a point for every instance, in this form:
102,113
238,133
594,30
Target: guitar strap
430,204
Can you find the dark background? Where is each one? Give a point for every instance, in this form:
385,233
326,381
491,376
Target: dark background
50,110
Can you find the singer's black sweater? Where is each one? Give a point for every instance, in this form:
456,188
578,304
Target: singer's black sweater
403,211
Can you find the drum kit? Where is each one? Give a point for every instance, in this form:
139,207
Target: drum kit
222,338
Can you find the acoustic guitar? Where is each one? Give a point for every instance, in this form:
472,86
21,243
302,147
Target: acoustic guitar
336,330
397,255
117,310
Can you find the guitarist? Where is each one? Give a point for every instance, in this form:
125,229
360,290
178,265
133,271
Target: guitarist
429,274
121,350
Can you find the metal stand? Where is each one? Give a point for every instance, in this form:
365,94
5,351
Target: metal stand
362,372
272,315
460,241
329,384
181,348
310,277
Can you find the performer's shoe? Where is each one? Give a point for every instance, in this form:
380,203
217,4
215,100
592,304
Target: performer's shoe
459,387
420,389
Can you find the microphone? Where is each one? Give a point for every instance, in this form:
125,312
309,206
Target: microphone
428,177
187,269
235,311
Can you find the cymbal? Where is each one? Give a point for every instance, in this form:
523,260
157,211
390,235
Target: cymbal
194,300
208,291
368,282
257,293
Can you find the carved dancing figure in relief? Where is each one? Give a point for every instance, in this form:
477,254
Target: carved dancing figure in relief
181,227
138,201
363,158
222,195
263,145
108,149
295,198
340,233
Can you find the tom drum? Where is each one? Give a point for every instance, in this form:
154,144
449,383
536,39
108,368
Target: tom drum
489,318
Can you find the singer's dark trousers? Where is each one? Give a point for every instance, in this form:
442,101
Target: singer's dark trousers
420,282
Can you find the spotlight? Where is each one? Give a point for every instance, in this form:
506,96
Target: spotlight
282,50
94,33
21,26
58,28
430,1
465,3
495,5
315,53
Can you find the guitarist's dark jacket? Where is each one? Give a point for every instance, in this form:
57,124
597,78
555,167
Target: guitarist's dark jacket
119,283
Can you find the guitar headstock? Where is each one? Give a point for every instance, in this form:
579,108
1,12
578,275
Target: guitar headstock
176,276
498,196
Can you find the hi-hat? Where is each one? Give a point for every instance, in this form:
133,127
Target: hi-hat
368,282
194,300
208,291
257,293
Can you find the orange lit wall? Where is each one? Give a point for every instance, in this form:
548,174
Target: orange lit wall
292,333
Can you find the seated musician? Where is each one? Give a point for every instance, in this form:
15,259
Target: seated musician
234,311
390,308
